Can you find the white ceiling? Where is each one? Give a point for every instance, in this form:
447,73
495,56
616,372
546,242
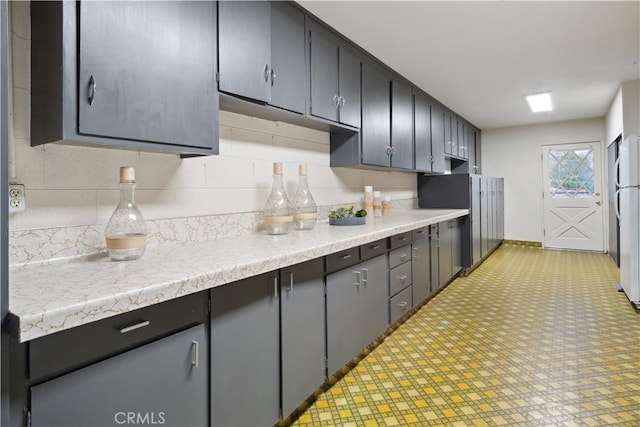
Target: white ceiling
480,57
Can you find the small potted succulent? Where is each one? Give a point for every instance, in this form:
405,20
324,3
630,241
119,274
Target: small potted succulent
347,216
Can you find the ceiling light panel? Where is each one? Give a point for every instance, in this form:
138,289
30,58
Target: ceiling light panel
539,102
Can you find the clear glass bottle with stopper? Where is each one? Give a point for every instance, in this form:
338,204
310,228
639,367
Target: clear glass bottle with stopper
277,214
126,231
305,211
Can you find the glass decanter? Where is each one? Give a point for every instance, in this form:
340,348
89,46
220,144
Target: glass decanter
277,214
126,231
305,211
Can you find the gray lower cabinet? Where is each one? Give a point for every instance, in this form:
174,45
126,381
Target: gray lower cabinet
357,304
485,215
476,220
456,245
164,382
132,74
245,352
421,282
435,257
302,332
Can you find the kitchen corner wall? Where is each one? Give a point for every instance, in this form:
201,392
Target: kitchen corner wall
514,154
78,186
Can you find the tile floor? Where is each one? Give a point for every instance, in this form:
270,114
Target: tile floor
531,337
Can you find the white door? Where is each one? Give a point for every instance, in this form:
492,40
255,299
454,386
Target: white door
572,196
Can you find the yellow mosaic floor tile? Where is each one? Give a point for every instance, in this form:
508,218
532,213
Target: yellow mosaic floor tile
531,337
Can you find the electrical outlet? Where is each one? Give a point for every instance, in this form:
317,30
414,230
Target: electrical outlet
17,198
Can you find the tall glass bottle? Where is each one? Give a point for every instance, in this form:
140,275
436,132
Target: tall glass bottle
305,211
277,214
126,231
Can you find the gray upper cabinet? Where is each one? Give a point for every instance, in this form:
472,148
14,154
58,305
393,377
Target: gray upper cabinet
137,75
245,352
449,128
287,57
428,135
335,78
401,126
261,47
376,117
244,43
165,382
302,332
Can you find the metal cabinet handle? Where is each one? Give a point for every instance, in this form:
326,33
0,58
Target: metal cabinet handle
358,279
402,304
402,256
403,278
267,73
92,89
342,102
430,159
403,238
273,77
336,100
347,256
195,349
275,286
375,248
290,282
134,327
389,151
415,253
365,275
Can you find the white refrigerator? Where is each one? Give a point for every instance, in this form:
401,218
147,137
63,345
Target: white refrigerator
629,216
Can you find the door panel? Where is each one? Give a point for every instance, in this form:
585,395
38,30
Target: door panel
401,126
422,134
245,48
349,88
573,212
287,57
157,382
376,117
324,77
121,93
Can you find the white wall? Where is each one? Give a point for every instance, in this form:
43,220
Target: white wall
630,107
514,154
68,185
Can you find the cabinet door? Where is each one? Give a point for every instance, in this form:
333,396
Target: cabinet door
485,215
146,71
437,138
476,220
376,117
344,301
374,306
435,257
445,269
164,382
471,150
422,134
477,148
287,57
421,271
244,40
456,245
449,126
324,76
401,126
349,88
245,356
302,332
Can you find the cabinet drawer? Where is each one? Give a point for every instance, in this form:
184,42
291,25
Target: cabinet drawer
400,255
399,305
343,259
399,278
400,240
89,343
373,249
420,233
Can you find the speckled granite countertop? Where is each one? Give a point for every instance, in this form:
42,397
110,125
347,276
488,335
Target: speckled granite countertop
44,299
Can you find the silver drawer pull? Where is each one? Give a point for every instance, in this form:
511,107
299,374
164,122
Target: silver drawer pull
195,347
403,238
347,256
358,281
134,327
403,277
402,256
402,304
415,253
365,275
375,248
